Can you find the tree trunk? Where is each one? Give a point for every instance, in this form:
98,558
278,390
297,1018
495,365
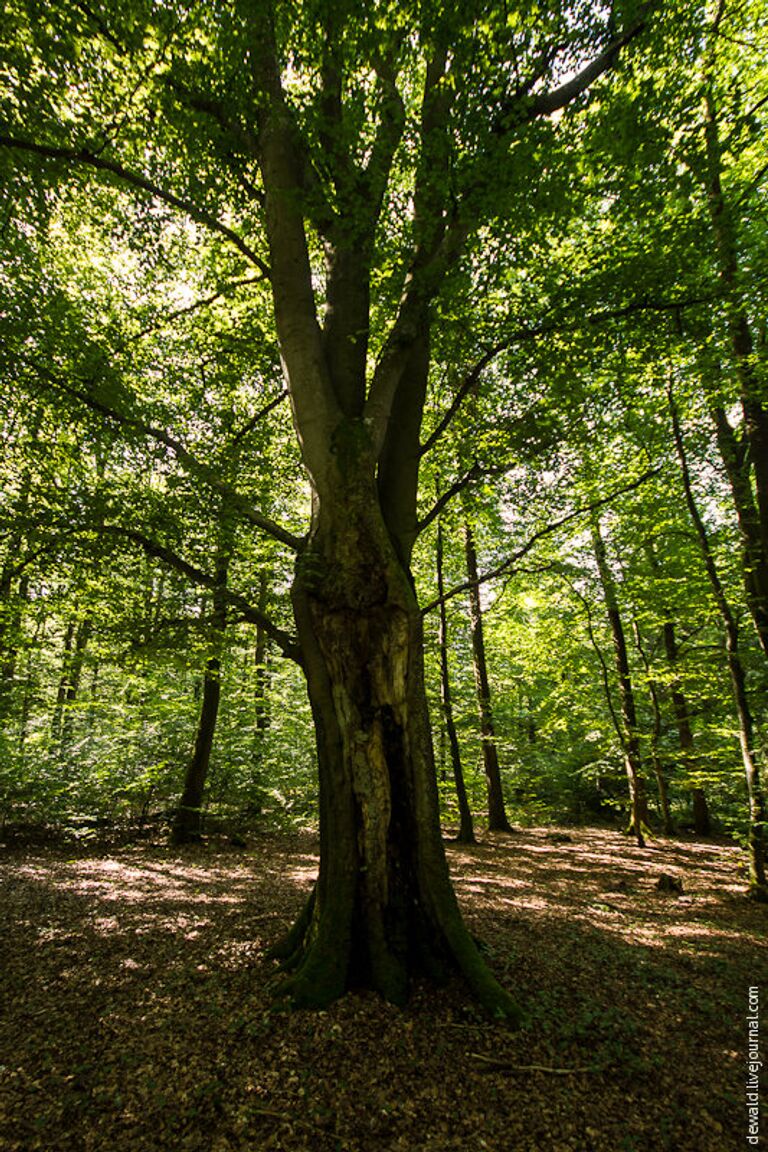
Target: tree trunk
737,462
750,456
497,815
758,887
630,735
188,820
701,821
12,607
261,655
383,907
61,693
29,680
658,767
70,682
466,829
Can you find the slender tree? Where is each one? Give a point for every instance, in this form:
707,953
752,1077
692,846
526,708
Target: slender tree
466,827
187,824
701,820
76,639
497,813
629,729
658,767
758,886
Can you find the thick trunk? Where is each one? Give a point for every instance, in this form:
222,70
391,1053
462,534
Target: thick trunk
497,815
630,734
466,829
383,908
701,821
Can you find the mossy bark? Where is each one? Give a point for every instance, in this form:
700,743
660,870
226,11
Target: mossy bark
383,909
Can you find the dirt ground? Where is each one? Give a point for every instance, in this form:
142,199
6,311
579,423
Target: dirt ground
136,1011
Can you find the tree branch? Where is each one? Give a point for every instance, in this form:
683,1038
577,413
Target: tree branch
91,160
287,643
254,420
471,379
183,455
194,307
548,102
458,486
547,530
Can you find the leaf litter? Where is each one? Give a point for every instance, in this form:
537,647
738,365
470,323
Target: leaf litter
137,1012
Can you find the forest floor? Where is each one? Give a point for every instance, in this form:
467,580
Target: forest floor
136,1012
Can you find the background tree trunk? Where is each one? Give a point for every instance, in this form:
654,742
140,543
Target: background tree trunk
466,828
658,767
630,735
497,815
758,887
701,820
188,819
751,455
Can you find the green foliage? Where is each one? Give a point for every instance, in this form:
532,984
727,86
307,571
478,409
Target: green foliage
140,361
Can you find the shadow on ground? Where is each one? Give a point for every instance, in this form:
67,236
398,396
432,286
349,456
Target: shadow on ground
137,1013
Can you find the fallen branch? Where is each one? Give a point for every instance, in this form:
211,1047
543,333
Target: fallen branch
491,1064
286,1118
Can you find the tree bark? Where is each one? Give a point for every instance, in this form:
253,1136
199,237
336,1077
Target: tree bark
75,643
630,734
466,828
261,657
383,908
497,814
758,887
658,768
188,819
748,461
701,820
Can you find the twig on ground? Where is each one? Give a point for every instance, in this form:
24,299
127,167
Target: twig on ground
505,1065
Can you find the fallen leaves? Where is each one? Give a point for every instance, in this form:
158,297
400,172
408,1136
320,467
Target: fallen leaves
137,1017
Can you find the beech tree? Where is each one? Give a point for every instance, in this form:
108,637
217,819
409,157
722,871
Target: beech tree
345,155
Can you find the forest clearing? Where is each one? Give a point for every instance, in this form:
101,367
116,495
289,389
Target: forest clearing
139,1012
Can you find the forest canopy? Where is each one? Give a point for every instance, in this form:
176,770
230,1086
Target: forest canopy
385,436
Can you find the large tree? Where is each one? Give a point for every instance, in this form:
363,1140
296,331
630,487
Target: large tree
347,156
